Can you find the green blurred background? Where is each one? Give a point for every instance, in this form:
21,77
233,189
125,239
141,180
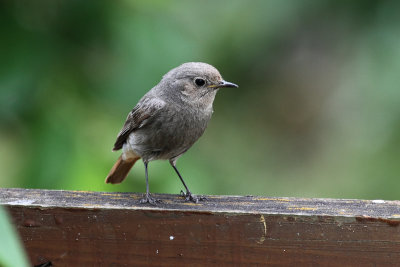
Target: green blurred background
317,113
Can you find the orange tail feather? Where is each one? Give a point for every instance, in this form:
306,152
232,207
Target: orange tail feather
120,170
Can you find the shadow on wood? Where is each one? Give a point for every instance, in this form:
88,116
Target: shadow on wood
76,228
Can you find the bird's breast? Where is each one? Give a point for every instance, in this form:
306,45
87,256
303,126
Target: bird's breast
170,134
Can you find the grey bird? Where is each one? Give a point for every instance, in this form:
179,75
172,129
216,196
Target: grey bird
167,121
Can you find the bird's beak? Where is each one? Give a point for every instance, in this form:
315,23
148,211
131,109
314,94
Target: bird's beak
224,83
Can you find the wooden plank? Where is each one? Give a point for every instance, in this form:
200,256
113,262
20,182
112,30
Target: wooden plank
76,228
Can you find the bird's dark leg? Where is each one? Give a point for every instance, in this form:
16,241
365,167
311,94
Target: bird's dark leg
148,198
188,195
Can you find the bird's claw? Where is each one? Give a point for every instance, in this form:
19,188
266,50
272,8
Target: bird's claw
149,199
189,197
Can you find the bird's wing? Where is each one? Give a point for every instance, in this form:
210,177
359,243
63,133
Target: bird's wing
138,117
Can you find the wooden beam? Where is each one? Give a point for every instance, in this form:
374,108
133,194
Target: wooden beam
81,228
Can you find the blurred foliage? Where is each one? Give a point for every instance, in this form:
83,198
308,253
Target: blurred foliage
317,113
11,251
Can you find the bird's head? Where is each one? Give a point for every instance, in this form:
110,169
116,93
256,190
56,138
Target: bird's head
195,82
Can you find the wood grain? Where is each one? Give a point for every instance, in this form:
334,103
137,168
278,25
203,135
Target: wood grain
75,228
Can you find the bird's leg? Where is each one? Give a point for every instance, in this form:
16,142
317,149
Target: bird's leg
188,195
148,198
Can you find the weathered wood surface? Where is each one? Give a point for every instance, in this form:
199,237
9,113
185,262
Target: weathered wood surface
76,228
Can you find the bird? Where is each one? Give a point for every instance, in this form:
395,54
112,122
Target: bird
167,121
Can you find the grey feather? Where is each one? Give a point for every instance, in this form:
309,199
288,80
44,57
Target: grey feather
137,118
172,116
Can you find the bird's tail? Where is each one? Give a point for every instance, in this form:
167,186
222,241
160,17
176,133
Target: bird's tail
120,170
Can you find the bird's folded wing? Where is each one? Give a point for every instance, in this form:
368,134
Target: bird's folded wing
138,117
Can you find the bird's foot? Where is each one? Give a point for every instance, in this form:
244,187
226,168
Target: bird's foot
189,197
149,199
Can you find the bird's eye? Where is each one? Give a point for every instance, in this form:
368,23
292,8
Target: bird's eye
199,82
